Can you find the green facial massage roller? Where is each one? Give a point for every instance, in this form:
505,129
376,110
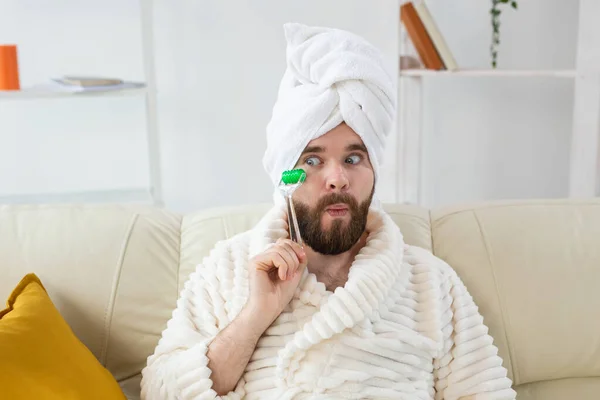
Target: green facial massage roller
290,181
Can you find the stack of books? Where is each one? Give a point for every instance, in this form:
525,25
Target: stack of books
426,37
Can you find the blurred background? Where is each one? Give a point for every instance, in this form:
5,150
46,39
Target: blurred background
213,69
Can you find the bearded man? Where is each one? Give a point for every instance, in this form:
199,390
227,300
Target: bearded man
354,313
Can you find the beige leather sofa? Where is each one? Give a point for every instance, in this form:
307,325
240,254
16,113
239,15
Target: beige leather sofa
533,267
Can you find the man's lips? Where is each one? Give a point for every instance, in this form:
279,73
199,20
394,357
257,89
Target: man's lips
337,207
337,210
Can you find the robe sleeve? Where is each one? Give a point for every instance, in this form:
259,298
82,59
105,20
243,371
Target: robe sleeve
468,367
178,368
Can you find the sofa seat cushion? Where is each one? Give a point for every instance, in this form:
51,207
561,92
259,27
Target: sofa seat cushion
560,389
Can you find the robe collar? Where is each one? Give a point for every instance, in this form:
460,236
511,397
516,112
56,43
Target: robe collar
375,269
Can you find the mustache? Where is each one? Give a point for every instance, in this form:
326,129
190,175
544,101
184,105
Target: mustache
336,198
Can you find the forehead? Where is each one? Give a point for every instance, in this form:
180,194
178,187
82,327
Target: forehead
339,137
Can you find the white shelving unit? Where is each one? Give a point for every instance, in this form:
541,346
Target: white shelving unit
489,73
585,152
35,93
48,92
133,195
151,194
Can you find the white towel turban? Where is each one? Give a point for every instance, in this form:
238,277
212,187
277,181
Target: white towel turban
332,76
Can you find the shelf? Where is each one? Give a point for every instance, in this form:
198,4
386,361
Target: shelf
133,195
52,91
491,73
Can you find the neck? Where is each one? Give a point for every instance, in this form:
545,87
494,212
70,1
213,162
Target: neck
332,270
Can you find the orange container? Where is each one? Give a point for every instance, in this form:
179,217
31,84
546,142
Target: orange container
9,68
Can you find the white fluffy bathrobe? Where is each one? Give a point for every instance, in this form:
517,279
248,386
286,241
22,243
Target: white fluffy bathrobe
402,327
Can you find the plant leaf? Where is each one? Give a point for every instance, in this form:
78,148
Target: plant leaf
514,4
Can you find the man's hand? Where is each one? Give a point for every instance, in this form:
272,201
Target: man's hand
274,277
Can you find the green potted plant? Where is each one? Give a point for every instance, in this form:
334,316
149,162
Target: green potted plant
495,12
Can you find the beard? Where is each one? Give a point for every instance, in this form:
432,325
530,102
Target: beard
338,238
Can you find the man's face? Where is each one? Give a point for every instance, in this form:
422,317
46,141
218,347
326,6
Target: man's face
333,203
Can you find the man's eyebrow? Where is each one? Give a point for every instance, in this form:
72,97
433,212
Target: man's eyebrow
314,149
357,147
350,147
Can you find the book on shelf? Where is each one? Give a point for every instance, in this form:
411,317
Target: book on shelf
426,36
88,81
77,84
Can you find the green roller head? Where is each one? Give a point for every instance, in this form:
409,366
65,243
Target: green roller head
293,176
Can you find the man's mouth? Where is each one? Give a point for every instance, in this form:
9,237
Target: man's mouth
337,210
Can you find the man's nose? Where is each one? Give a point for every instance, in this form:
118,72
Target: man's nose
337,180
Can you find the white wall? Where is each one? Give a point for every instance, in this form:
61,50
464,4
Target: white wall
218,67
497,138
55,145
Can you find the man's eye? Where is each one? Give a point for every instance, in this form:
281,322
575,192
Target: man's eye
312,161
355,159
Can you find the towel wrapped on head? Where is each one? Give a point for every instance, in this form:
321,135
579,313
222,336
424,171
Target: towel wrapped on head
332,76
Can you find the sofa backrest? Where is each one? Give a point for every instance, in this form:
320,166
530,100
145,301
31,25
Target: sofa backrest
115,272
110,270
533,268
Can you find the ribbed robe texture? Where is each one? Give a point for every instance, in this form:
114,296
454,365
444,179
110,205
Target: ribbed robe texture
403,327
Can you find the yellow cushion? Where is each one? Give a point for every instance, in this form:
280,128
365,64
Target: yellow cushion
40,356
